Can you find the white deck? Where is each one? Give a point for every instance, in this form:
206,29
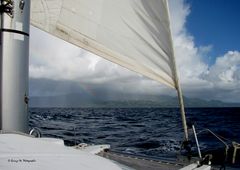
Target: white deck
22,152
18,152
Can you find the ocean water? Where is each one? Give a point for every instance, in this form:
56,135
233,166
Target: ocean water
143,131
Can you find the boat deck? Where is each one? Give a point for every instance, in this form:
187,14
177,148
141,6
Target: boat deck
140,163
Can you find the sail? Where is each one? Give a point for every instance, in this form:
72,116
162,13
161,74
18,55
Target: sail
132,33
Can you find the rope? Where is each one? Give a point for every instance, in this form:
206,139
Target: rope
226,142
217,136
221,139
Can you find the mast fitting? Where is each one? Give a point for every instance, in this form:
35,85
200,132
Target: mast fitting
7,7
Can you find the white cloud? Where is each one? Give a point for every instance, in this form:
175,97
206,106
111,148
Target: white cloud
59,60
189,58
199,79
226,70
54,59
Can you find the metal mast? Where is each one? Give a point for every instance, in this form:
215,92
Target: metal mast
178,87
14,64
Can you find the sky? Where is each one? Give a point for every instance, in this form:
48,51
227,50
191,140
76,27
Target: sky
215,23
206,42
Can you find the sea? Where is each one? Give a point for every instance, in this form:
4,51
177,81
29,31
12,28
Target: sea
155,132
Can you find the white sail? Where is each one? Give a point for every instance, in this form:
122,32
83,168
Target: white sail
132,33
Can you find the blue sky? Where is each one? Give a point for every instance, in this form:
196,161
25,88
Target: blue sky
216,23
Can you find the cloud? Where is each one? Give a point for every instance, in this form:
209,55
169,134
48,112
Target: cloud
53,59
225,73
58,60
189,58
200,79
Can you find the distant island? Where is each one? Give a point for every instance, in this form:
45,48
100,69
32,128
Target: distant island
78,100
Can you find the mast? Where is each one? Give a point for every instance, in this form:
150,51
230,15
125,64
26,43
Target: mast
14,59
177,85
181,103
